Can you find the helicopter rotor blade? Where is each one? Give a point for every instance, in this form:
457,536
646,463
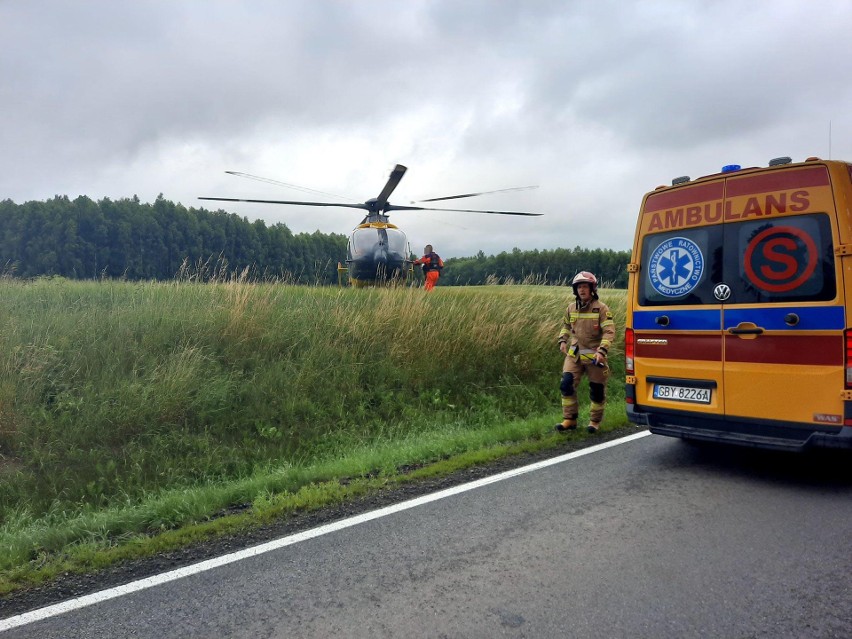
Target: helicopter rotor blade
394,207
294,202
279,183
456,197
393,181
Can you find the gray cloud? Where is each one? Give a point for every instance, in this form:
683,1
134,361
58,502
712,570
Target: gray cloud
597,102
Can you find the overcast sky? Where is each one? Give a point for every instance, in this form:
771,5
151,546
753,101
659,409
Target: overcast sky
595,102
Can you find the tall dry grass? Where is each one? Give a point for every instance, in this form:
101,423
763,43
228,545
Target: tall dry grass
111,392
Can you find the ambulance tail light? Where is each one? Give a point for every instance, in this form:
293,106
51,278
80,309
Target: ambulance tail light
629,350
847,335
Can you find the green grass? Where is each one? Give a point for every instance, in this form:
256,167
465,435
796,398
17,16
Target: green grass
133,414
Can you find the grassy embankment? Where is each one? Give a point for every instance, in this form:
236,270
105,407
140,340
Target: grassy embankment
132,414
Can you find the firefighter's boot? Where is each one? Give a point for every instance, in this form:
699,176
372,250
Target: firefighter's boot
569,414
566,425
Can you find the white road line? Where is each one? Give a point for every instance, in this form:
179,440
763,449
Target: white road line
156,580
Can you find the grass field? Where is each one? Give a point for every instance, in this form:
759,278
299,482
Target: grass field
132,413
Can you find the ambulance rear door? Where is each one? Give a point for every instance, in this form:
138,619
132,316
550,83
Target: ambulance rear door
783,318
677,320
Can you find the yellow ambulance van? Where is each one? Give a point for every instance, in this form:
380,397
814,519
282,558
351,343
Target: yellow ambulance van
739,307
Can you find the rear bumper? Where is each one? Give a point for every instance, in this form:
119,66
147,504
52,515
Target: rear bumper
753,433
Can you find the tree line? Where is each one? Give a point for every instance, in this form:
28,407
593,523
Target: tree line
87,239
553,267
84,239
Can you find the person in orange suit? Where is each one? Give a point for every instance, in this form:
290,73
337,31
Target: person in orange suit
432,264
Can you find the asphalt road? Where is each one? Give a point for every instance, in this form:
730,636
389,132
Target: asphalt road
650,538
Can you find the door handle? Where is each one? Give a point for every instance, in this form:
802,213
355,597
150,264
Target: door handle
745,328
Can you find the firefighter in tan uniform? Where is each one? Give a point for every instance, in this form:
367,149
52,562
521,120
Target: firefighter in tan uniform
586,337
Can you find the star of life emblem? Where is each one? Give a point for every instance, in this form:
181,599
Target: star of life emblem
676,267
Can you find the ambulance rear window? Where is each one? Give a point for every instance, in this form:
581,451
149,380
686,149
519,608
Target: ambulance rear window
785,259
679,267
781,260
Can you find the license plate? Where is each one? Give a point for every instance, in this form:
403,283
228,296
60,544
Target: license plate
682,393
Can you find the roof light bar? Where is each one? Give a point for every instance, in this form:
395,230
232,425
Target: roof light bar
780,161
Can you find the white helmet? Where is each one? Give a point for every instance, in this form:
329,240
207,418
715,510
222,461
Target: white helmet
587,278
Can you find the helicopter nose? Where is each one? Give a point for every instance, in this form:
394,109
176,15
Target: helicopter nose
380,255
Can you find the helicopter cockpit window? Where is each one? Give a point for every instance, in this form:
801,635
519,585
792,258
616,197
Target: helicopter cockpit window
364,241
397,242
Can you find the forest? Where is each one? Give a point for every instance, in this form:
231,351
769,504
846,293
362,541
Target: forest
129,239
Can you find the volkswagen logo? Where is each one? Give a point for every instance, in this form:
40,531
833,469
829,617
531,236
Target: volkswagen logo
722,292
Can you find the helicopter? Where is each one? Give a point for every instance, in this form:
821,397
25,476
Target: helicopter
378,251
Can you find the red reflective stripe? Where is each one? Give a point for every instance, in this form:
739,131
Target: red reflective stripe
813,350
778,180
807,350
699,347
782,180
681,197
